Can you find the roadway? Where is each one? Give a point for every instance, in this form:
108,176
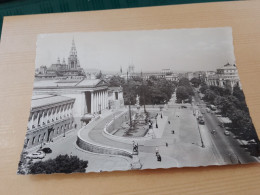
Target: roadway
227,147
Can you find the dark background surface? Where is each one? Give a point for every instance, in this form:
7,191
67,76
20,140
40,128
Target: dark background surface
24,7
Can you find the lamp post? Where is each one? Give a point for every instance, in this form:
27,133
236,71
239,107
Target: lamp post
129,107
202,143
143,90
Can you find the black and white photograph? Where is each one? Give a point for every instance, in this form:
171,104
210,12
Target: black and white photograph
134,100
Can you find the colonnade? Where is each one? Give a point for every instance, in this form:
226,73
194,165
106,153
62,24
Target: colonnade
99,100
43,117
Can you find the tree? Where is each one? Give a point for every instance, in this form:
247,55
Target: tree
184,82
195,81
116,81
181,93
61,164
209,96
203,88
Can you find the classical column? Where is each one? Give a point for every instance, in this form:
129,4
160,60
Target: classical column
63,110
106,98
98,101
101,102
57,113
37,119
92,101
41,119
95,101
31,121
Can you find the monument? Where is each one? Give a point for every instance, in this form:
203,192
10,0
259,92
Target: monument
136,164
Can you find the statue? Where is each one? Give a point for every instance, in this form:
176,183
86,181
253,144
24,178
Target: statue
138,104
135,148
136,164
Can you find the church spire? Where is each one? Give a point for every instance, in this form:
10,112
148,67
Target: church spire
73,61
73,50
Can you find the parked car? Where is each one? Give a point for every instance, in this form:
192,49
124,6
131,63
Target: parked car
213,131
183,106
46,150
201,121
208,110
221,125
226,133
36,155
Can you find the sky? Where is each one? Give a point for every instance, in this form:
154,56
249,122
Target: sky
198,49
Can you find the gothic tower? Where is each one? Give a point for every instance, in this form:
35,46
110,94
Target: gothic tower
73,62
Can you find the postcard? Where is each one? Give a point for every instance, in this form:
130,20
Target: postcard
134,100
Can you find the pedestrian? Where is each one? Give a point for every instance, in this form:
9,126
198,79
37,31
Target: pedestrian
169,122
159,158
172,131
166,144
156,151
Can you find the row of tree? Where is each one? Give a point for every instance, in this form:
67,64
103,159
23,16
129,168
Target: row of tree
184,91
151,91
232,105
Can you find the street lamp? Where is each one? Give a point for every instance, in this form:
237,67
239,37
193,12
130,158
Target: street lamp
202,143
129,106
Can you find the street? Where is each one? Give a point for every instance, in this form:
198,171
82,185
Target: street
228,147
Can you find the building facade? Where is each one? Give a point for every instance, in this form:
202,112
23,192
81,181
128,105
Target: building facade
91,95
226,77
115,97
50,116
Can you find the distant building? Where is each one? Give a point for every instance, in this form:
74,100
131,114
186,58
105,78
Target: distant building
51,116
62,69
165,73
226,77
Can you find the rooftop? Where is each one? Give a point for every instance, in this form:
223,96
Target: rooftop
43,100
68,83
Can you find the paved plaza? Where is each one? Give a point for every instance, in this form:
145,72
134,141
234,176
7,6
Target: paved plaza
180,143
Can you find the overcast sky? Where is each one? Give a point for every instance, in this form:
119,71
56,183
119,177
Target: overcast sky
149,50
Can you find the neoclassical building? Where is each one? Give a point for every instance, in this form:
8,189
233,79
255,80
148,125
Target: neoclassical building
226,77
91,95
50,117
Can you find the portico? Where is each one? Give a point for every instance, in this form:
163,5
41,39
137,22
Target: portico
91,95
